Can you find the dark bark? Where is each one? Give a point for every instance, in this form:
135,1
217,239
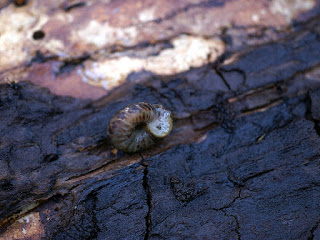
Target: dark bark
242,161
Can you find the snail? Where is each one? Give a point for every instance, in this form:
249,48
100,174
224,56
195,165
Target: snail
139,126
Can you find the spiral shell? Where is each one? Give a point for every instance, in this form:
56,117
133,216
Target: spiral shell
139,126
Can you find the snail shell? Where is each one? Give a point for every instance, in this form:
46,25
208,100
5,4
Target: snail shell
139,126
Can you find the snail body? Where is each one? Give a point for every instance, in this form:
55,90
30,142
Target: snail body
139,126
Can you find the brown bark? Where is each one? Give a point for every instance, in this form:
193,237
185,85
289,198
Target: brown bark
242,161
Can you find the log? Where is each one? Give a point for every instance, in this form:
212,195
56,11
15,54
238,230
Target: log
242,161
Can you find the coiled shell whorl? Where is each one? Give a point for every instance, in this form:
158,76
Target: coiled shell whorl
139,126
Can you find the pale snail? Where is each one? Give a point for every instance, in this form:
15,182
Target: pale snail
139,126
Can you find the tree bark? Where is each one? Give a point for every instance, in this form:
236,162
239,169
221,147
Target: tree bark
242,161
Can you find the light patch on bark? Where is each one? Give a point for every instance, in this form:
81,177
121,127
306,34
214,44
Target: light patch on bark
147,15
187,52
290,8
102,34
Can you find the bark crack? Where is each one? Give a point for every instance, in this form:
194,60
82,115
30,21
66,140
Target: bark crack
309,114
96,229
186,8
147,188
311,236
237,227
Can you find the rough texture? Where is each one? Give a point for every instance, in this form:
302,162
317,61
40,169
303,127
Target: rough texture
70,43
242,161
